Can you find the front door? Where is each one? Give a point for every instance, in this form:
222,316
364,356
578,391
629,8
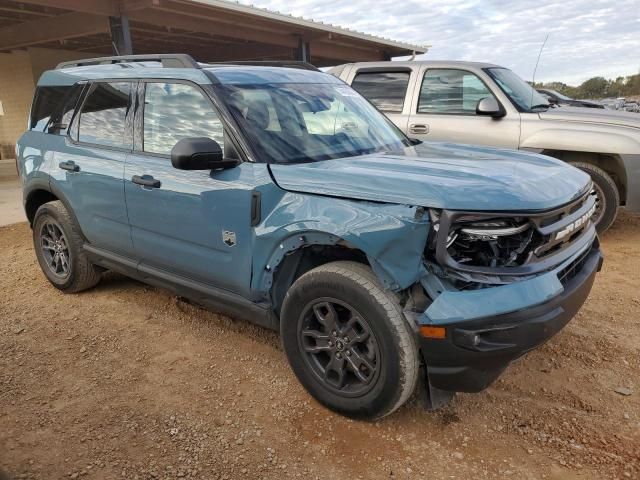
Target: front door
194,224
444,110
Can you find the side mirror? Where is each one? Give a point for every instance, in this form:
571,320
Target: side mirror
552,101
489,106
200,153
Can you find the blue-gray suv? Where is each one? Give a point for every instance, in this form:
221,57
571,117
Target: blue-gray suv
282,196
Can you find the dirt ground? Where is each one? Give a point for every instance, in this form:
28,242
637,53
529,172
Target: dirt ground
126,381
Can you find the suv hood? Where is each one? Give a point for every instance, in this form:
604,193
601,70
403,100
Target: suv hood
592,115
438,175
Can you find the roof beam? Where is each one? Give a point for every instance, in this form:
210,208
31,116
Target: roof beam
49,29
98,7
206,25
24,11
345,53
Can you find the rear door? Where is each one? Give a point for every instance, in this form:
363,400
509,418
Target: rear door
444,109
387,89
89,168
193,224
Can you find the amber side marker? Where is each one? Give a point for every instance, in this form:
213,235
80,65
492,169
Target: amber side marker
433,332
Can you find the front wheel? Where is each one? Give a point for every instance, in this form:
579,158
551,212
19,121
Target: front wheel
606,195
348,342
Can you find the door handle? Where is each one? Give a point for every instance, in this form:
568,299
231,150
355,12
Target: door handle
419,128
69,165
146,181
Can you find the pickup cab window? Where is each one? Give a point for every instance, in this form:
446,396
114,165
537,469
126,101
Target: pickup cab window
451,91
386,90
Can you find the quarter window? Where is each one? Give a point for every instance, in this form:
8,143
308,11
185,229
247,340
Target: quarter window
451,91
104,113
53,108
386,90
173,111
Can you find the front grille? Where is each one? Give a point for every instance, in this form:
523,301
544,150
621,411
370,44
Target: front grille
569,272
570,222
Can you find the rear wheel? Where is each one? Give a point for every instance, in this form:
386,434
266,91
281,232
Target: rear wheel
605,193
348,342
58,244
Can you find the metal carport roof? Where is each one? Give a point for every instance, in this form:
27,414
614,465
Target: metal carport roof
209,30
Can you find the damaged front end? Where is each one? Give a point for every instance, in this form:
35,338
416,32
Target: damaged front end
497,285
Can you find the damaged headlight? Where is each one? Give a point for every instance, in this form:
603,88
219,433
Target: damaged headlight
487,242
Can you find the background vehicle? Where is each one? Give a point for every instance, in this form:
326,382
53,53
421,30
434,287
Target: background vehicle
631,106
556,98
282,196
484,104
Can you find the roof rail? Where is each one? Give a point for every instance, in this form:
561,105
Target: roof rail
270,63
175,60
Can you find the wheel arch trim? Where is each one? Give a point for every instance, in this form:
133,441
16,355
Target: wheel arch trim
42,185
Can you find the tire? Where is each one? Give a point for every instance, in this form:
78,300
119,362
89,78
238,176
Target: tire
606,193
381,372
53,221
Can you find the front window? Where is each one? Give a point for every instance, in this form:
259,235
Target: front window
451,91
287,123
523,95
173,111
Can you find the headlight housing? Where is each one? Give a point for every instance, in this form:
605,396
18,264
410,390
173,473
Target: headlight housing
489,245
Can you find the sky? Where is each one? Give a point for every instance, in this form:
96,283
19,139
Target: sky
587,38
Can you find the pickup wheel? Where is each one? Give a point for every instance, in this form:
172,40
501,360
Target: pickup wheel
606,194
58,244
348,342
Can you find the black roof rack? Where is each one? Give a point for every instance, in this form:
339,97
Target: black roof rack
270,63
176,60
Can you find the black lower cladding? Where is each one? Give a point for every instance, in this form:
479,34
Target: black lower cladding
474,353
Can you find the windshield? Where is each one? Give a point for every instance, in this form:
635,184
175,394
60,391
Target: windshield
288,123
523,95
560,96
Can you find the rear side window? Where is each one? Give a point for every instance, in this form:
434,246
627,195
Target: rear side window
103,118
50,105
386,90
451,91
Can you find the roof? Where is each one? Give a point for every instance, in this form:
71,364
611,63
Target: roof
410,63
252,75
314,24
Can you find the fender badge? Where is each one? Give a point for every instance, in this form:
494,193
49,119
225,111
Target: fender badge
229,238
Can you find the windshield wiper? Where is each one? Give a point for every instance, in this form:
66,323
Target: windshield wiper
540,105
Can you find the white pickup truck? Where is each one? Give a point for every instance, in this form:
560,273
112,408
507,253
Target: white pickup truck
485,104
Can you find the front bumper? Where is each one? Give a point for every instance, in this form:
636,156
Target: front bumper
478,347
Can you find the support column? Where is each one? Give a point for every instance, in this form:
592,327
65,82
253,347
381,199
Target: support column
303,52
120,35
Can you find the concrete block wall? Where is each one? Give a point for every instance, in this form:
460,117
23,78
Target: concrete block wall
19,74
16,92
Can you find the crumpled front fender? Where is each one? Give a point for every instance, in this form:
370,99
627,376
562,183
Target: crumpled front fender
391,236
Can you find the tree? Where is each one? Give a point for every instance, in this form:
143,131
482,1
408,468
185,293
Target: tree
598,87
595,87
